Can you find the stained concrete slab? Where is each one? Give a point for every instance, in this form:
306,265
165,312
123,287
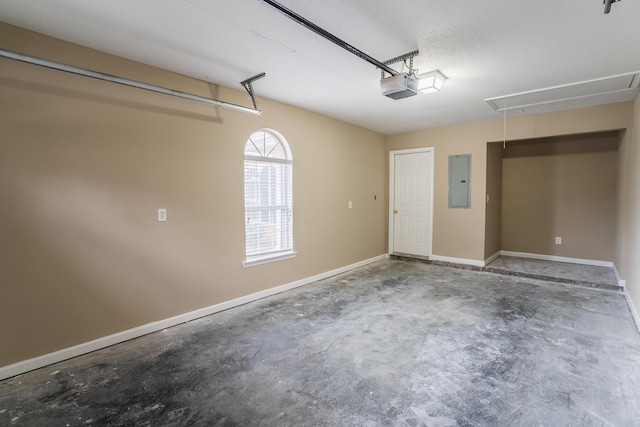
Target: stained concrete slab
395,343
579,274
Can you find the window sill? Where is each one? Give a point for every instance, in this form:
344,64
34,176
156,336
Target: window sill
258,260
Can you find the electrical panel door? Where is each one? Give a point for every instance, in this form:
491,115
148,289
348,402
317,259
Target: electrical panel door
460,181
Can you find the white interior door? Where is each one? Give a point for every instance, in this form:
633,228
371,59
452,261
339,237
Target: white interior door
411,202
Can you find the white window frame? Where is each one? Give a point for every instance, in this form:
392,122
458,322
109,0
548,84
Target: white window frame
284,194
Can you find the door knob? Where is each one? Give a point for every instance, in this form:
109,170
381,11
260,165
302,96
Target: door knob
395,211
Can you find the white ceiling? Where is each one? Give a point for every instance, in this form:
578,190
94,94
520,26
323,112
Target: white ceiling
487,48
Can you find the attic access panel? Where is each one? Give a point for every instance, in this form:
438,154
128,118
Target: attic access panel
619,88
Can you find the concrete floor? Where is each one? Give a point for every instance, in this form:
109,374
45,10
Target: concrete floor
579,274
396,343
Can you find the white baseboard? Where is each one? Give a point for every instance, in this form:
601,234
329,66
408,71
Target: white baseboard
77,350
473,262
632,307
621,281
558,259
491,258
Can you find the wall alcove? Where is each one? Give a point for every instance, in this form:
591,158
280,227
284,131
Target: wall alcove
543,188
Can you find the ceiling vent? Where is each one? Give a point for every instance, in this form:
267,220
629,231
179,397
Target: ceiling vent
399,86
620,88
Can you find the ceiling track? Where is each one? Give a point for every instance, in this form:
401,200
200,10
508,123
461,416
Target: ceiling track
327,35
132,83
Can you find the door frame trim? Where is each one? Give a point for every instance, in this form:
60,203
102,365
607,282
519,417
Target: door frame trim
392,167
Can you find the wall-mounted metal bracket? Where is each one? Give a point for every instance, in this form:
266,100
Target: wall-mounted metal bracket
248,86
607,5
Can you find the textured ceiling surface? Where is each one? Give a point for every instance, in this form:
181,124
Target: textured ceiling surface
486,48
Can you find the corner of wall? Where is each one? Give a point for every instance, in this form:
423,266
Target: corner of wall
631,249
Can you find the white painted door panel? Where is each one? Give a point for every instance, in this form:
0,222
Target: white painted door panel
412,207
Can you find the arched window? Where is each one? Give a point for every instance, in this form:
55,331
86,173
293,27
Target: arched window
268,201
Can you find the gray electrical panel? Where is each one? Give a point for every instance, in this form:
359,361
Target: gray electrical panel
460,181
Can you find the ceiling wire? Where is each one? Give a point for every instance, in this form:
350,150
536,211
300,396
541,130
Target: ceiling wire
504,129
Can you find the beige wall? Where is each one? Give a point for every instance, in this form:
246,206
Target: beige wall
493,212
624,186
85,164
460,233
564,186
457,233
632,218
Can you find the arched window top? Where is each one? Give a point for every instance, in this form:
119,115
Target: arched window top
267,144
268,198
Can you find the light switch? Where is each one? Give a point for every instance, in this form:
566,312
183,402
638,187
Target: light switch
162,214
350,205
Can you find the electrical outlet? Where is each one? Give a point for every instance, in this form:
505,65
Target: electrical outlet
558,240
350,205
162,214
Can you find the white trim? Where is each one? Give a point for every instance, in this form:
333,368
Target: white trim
621,281
265,259
474,262
77,350
492,258
632,307
392,155
559,259
261,159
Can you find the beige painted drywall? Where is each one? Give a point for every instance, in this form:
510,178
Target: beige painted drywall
632,217
493,209
625,185
85,164
460,233
565,187
456,232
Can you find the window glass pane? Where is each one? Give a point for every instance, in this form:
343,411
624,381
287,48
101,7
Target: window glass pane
251,149
266,184
275,150
267,196
264,144
265,233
